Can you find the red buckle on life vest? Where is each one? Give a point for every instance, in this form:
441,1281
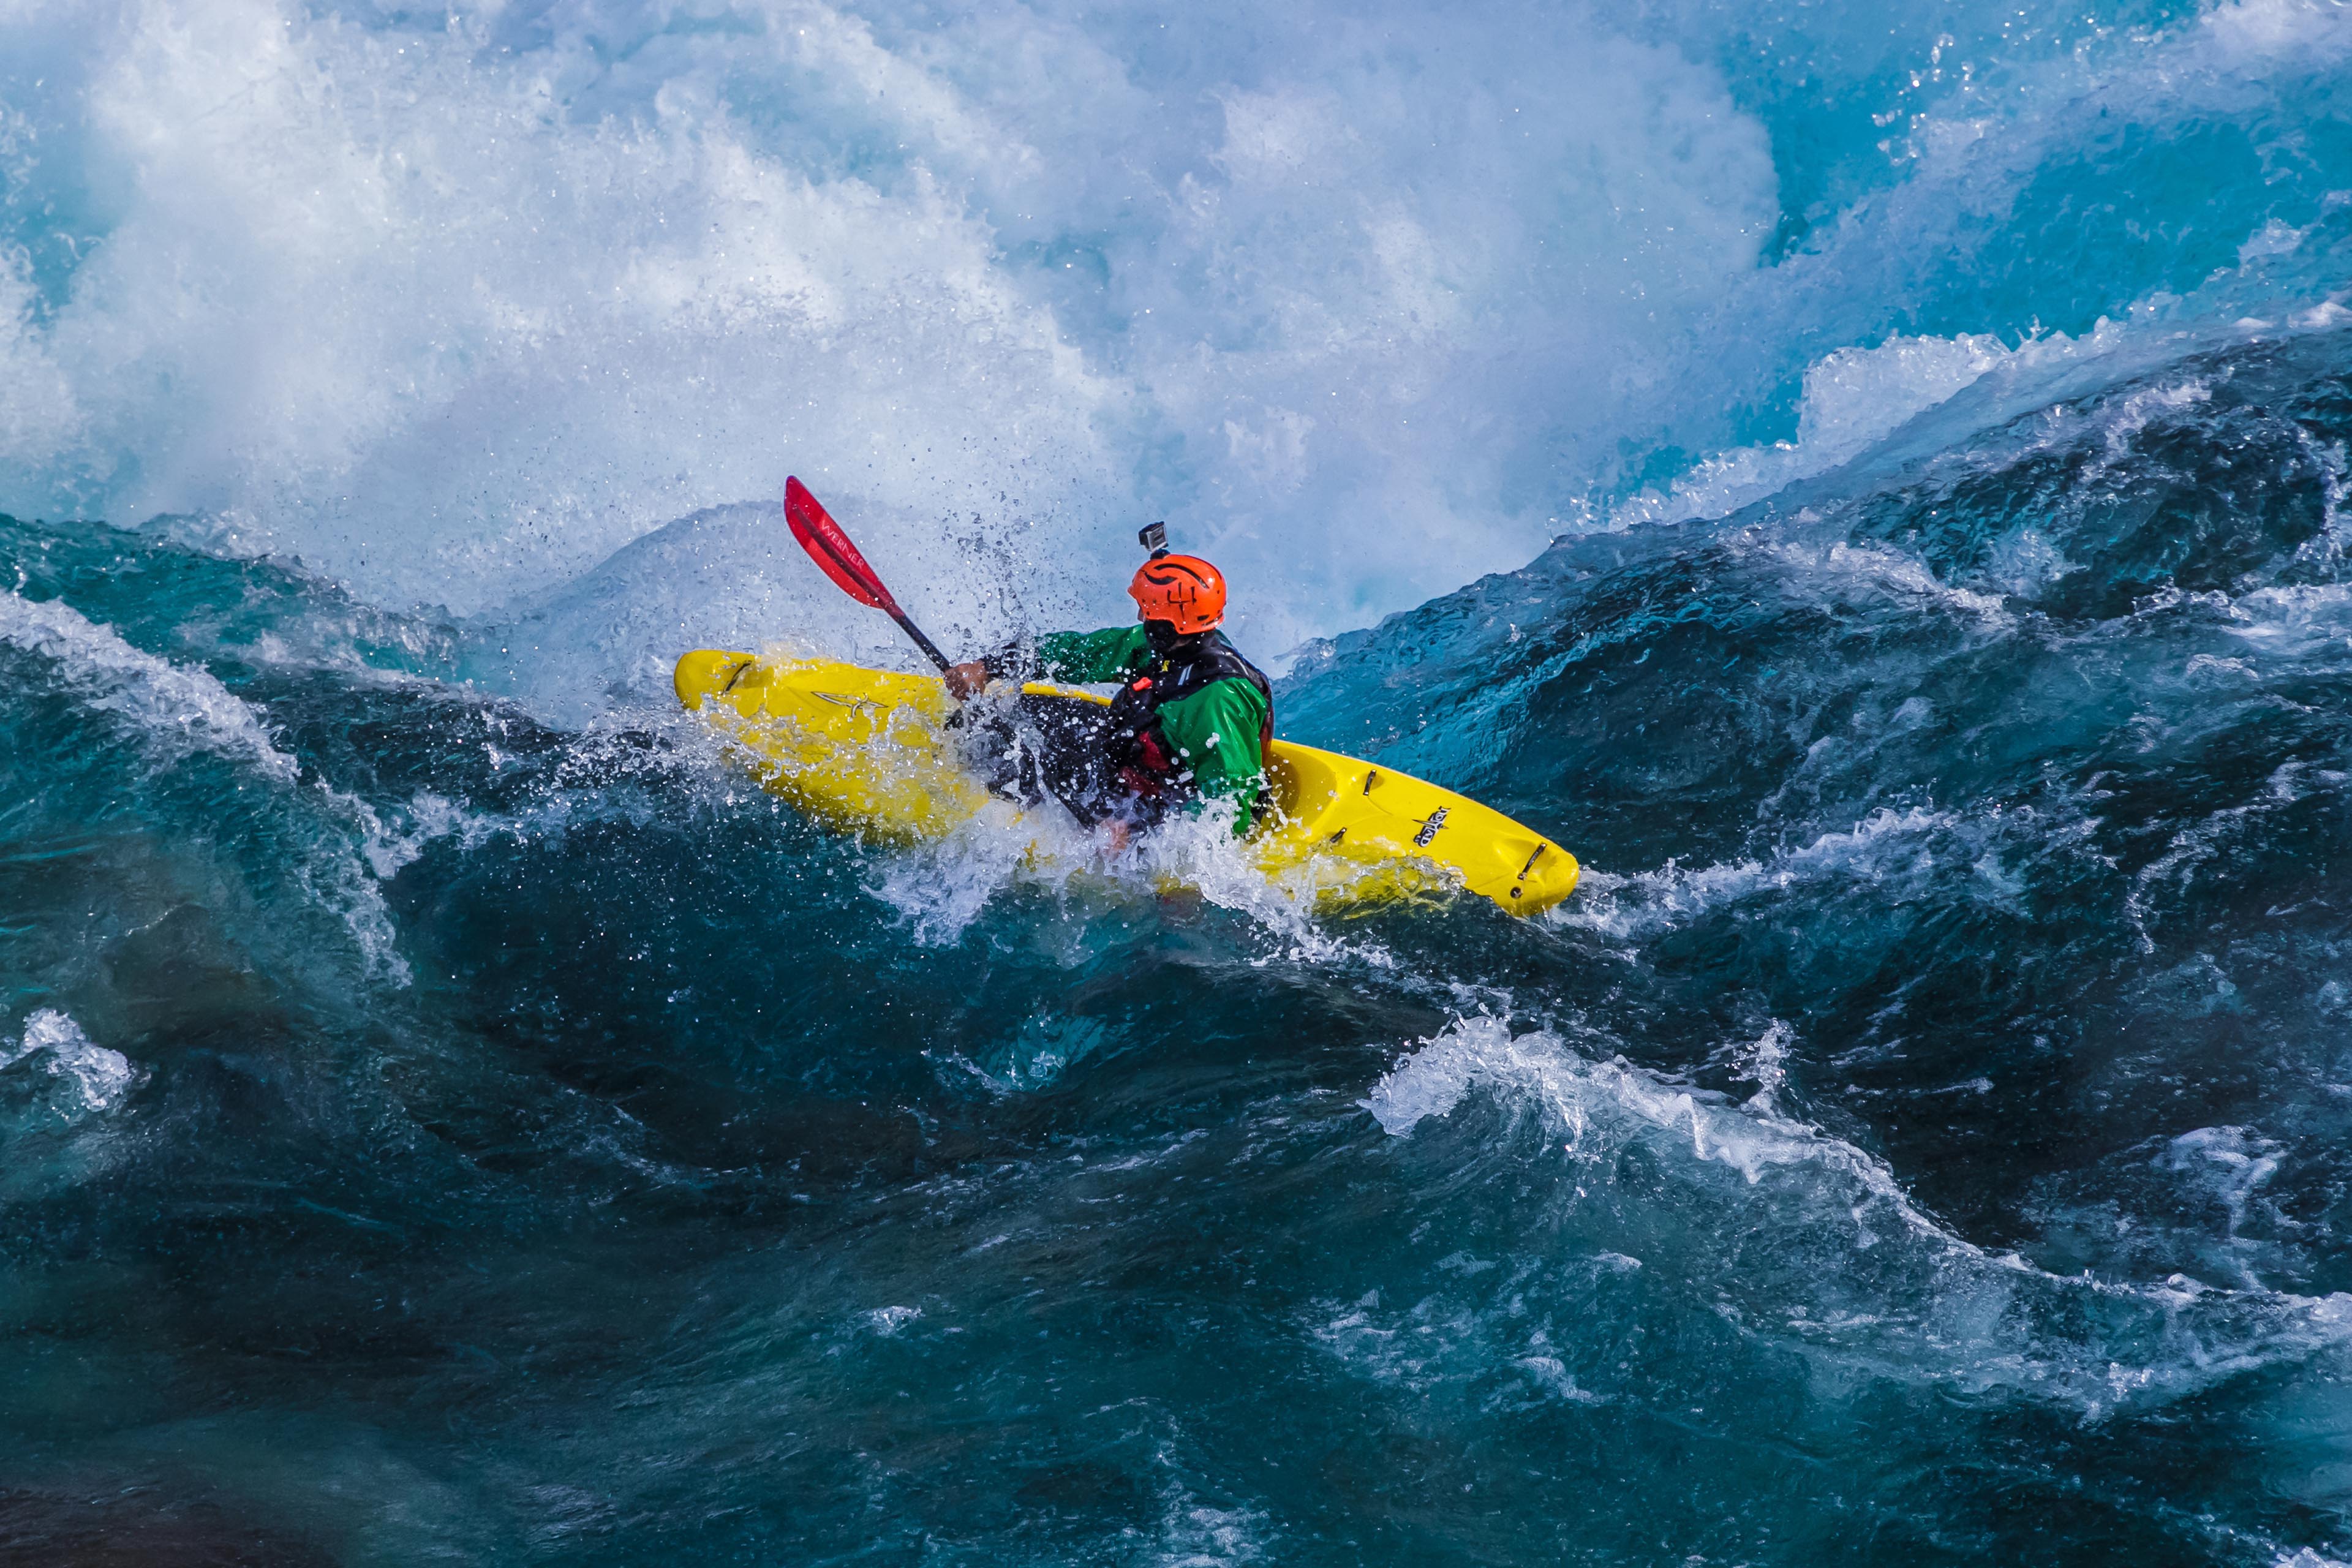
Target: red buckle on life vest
1142,786
1152,755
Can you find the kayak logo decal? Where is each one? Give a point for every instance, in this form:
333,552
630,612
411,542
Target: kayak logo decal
1429,829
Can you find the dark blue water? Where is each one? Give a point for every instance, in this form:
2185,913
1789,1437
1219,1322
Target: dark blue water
448,1115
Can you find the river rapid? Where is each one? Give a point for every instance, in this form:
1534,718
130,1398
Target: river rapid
1876,488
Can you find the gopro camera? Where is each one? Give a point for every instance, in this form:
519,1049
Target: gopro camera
1154,539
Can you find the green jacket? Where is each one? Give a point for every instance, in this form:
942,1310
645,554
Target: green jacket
1214,732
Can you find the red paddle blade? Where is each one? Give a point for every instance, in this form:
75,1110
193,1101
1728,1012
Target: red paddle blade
831,550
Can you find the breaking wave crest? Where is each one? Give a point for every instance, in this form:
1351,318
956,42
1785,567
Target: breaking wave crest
1839,1264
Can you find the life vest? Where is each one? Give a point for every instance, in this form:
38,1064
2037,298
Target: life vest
1148,764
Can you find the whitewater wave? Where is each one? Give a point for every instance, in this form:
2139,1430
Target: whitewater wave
171,712
1853,399
455,311
1864,1278
941,888
1893,856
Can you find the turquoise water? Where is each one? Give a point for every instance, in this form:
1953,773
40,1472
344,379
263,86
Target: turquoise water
1875,489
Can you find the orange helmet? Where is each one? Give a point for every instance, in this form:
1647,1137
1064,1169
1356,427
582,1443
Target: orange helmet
1183,589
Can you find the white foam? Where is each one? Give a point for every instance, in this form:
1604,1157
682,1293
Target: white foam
1907,1297
1764,1062
1887,848
1870,570
457,305
39,416
171,711
943,887
2257,33
1853,398
886,1322
92,1078
1751,1140
2305,1557
1963,161
2228,1163
1194,1535
940,887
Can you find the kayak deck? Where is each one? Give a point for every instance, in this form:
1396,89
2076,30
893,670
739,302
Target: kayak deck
867,750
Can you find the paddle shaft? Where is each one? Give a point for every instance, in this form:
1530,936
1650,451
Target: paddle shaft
907,625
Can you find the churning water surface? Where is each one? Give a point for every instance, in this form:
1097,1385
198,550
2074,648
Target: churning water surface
1872,485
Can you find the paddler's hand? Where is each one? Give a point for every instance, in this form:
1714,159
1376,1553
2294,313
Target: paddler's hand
966,679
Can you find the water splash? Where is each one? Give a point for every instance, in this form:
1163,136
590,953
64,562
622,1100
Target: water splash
87,1079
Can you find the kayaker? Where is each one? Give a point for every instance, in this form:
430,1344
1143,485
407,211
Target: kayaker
1191,721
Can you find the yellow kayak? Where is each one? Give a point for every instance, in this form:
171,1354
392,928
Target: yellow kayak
866,749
